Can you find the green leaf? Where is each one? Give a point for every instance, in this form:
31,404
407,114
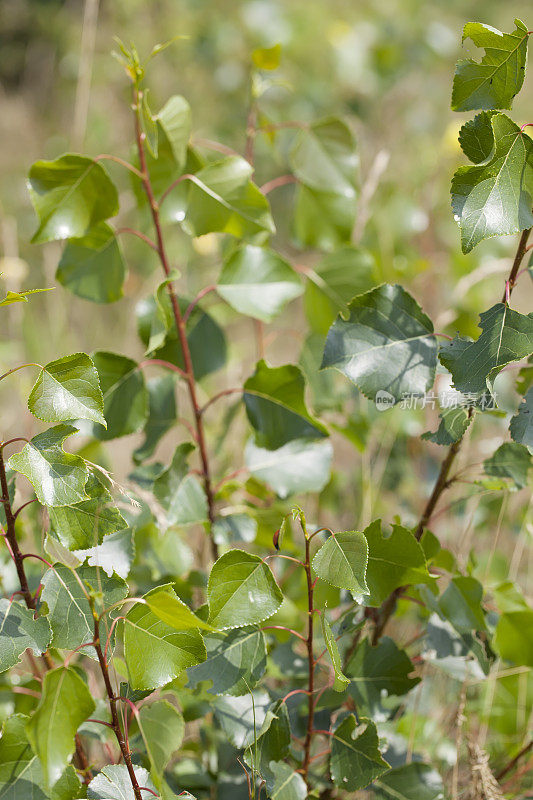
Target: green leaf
324,157
378,671
125,395
498,77
255,281
234,528
386,345
454,422
511,461
340,680
115,554
507,336
416,780
162,728
221,197
275,405
20,297
272,743
286,784
477,138
69,612
85,524
493,198
175,120
460,603
397,560
235,663
66,389
334,281
342,561
513,639
58,478
298,466
241,718
21,776
521,427
355,757
20,770
113,783
323,220
19,630
70,195
167,606
162,414
241,591
179,492
92,266
156,653
65,703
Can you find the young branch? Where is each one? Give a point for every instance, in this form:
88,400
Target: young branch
30,600
115,722
443,481
179,320
11,538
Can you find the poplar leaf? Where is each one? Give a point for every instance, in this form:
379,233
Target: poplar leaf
498,77
506,336
342,561
275,406
241,591
65,703
385,345
494,197
356,759
70,195
20,631
58,478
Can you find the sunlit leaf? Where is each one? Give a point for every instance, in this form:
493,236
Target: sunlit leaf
70,195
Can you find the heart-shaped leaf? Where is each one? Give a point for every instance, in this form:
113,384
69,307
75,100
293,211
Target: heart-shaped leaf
275,405
58,478
65,703
19,630
493,82
385,346
342,561
241,591
92,266
356,759
70,195
257,282
68,389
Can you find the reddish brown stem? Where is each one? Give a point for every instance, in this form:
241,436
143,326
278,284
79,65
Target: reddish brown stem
194,303
223,393
11,538
139,235
115,722
179,321
520,253
282,180
512,764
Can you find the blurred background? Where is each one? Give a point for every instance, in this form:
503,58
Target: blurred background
387,67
